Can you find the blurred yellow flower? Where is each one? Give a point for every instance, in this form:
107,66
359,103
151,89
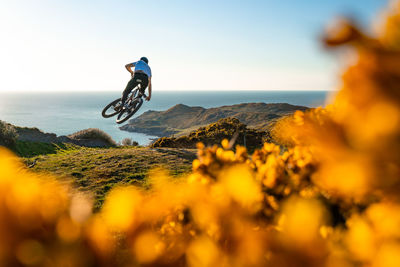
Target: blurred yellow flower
120,211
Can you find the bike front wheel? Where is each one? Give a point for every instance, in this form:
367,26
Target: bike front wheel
110,110
126,113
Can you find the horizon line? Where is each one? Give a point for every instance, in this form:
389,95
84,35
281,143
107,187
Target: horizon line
168,90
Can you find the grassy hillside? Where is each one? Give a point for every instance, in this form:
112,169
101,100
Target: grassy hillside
97,170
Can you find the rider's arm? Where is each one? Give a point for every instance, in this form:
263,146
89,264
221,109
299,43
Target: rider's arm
129,66
150,87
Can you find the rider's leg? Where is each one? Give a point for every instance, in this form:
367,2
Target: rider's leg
131,84
144,82
143,88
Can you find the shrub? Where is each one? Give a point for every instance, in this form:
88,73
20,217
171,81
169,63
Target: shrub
129,142
8,135
93,134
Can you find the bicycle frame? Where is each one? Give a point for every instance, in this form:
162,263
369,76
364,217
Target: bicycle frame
136,92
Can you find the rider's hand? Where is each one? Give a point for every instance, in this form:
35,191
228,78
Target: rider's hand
148,98
132,74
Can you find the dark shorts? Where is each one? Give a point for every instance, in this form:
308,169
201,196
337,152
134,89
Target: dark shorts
138,78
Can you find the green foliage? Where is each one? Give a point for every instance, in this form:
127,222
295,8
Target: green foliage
30,149
8,135
93,134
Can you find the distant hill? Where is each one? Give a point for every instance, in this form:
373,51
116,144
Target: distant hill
182,119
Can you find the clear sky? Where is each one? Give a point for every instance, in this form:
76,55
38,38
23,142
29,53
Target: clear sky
79,45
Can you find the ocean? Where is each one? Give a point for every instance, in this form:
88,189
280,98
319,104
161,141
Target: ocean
66,113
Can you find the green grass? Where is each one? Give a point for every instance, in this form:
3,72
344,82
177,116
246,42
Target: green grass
98,170
30,149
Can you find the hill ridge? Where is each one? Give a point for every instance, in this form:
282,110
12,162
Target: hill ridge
180,119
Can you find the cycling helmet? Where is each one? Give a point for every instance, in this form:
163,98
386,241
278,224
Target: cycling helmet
145,59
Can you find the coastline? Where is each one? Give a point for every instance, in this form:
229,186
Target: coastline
63,113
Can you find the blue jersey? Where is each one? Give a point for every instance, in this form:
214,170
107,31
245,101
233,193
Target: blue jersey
142,66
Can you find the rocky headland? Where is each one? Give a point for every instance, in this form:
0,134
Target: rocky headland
182,119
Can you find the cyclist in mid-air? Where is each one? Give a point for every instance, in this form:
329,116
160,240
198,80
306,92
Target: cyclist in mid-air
140,75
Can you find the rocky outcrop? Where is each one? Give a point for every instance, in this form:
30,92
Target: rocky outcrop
227,128
8,135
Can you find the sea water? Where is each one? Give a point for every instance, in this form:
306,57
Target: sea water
66,113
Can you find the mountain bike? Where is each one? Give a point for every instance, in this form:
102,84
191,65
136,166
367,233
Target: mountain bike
133,103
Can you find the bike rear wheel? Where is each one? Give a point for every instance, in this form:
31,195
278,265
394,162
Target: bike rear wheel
125,114
109,110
